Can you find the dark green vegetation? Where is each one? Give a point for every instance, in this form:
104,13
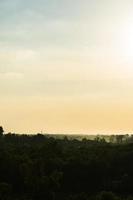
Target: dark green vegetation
44,168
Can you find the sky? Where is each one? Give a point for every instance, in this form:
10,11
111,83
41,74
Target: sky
66,66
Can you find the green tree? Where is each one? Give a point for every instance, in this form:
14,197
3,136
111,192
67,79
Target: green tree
1,130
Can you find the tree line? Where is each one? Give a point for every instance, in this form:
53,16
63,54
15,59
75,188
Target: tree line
39,167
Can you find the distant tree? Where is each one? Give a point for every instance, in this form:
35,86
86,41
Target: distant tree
1,130
65,138
126,138
103,140
97,138
84,140
112,139
119,138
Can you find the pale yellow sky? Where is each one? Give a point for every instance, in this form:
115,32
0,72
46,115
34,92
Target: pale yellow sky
66,66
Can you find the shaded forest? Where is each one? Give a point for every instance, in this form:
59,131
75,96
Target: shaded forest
37,167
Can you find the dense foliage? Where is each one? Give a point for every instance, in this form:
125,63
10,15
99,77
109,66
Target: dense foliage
38,168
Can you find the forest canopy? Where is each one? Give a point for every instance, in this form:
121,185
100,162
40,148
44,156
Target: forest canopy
41,167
